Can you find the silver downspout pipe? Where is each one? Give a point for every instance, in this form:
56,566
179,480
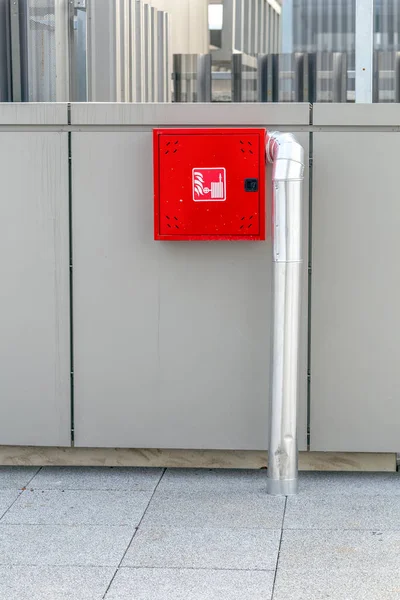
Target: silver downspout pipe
287,157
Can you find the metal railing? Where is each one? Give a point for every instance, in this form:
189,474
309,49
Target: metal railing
84,50
244,78
298,77
192,78
97,50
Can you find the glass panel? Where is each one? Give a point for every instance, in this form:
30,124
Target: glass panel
41,50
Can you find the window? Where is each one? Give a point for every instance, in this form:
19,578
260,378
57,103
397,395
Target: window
215,16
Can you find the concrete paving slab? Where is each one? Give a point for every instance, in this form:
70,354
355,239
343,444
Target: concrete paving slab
201,480
190,584
206,535
7,497
96,478
63,545
377,513
16,477
176,547
78,507
54,583
348,484
333,585
368,551
209,509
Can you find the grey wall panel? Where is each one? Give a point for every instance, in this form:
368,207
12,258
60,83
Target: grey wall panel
102,40
40,113
171,340
34,299
5,87
289,114
377,115
355,322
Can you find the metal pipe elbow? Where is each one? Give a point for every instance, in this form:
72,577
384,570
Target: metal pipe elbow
286,155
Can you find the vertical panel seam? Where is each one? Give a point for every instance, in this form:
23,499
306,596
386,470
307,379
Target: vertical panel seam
71,311
309,291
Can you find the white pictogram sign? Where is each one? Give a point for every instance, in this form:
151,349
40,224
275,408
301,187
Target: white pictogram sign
209,184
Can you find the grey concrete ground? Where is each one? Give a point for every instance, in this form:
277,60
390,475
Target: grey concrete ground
153,534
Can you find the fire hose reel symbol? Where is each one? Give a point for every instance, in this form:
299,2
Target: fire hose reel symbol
209,184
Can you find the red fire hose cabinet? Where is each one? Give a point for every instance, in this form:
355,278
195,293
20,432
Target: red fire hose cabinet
209,184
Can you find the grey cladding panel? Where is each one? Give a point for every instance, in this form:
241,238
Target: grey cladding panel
356,114
33,113
355,322
172,340
251,115
34,299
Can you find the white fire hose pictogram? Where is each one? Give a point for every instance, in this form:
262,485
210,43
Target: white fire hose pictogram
217,187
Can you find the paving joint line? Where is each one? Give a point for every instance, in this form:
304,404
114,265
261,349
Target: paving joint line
279,550
33,477
341,529
133,536
235,569
67,489
79,566
74,525
52,566
20,492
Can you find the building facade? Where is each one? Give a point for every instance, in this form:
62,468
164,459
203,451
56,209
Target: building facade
329,25
248,26
189,24
96,50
